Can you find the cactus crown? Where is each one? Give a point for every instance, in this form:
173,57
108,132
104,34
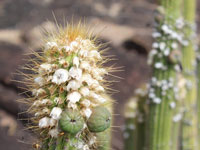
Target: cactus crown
67,85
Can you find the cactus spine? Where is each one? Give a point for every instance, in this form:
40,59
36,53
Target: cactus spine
68,87
189,124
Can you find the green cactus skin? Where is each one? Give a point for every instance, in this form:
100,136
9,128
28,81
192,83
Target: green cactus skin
104,139
71,121
189,124
198,92
162,101
100,119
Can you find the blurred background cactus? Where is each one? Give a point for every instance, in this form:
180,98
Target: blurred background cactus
171,122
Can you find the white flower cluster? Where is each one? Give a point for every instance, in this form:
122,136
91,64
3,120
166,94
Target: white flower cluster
76,72
164,51
51,121
169,37
163,85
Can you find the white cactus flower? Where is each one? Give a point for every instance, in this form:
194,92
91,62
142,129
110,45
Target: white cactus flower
55,113
37,92
172,105
75,73
45,101
157,100
74,44
99,89
37,103
177,117
72,85
76,61
87,112
94,54
72,105
52,122
44,122
85,66
38,114
39,81
60,76
67,48
86,147
84,91
74,97
83,53
45,68
86,103
50,45
87,78
57,100
101,99
45,110
54,133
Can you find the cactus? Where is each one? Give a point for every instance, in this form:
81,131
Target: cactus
189,124
69,91
164,91
135,112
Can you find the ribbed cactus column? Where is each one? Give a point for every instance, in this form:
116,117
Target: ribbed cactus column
163,91
198,92
189,125
70,103
135,120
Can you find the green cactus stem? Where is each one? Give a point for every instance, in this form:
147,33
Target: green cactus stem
163,91
68,86
189,123
129,131
198,92
135,120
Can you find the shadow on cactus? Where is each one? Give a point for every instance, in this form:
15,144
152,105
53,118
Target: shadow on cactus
70,102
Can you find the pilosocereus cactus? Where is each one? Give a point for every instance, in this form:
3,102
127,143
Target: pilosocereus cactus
71,108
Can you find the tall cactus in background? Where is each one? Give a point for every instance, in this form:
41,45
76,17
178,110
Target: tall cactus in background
189,124
70,106
164,91
135,120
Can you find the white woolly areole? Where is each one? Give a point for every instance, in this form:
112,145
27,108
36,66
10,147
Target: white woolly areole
87,78
85,66
44,122
73,85
54,132
94,54
45,68
84,91
50,45
87,112
55,113
72,105
39,81
75,73
60,76
86,147
52,122
76,61
74,97
86,103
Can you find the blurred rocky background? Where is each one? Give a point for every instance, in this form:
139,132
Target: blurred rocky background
125,24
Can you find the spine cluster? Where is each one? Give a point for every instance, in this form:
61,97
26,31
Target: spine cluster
69,101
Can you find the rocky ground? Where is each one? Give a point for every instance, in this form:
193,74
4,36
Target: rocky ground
127,25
